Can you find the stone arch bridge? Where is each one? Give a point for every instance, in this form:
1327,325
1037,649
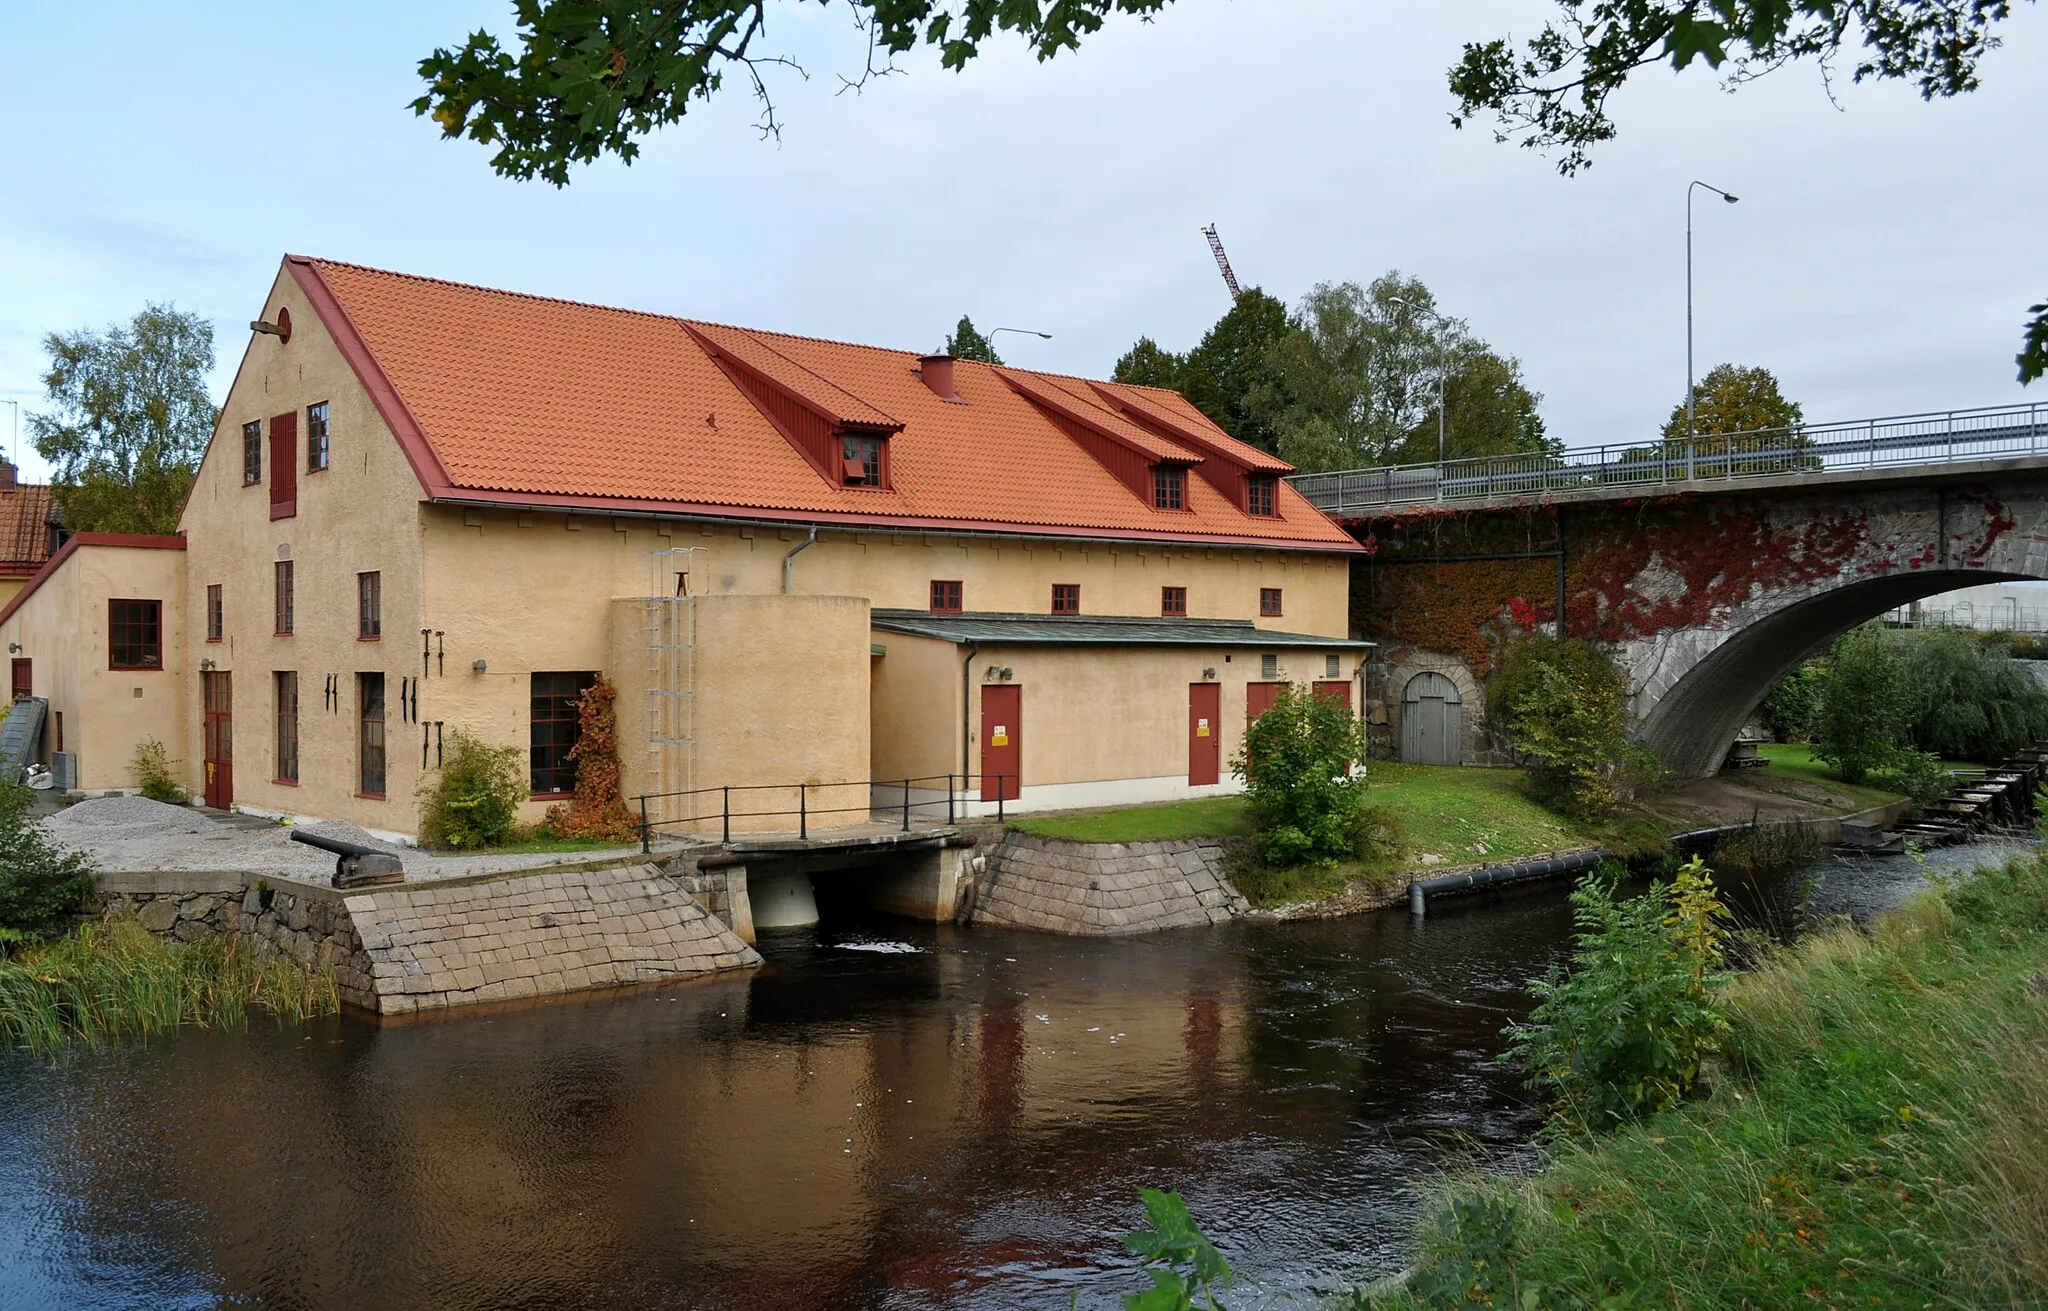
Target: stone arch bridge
1710,571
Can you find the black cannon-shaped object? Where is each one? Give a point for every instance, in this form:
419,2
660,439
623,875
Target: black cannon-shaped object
355,865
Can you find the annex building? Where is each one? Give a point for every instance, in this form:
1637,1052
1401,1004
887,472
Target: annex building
430,506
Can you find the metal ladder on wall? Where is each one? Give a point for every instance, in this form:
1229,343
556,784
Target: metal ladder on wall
671,621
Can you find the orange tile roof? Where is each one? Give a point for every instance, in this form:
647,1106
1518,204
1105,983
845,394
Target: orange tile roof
524,400
24,529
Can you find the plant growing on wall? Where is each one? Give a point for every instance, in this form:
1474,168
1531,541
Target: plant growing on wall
473,800
598,808
42,886
1296,762
152,767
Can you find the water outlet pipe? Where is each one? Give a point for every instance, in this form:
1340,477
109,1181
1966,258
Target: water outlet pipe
1493,876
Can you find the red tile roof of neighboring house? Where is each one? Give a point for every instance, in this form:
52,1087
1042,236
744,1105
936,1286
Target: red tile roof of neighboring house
78,542
24,529
524,400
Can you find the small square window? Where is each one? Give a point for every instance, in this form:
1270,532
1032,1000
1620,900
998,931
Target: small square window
283,590
1258,494
1329,666
369,606
861,461
1269,603
1169,487
1269,666
316,436
1173,602
214,621
1066,598
252,452
946,596
135,635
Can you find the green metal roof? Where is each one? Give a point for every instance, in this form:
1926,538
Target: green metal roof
1089,630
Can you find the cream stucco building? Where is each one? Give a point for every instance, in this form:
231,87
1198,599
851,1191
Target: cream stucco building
429,506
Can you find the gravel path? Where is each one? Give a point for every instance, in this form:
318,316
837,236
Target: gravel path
133,834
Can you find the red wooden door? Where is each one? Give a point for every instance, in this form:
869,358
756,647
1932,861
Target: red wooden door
24,680
1335,689
284,466
1259,698
1205,733
1002,756
218,729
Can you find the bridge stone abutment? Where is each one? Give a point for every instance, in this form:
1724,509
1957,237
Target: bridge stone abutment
1706,599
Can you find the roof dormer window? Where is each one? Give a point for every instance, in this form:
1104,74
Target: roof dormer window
1169,487
1258,494
861,461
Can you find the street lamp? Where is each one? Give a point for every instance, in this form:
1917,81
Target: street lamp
15,444
1411,306
1027,332
1688,312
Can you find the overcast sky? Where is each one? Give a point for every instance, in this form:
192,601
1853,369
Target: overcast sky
1879,261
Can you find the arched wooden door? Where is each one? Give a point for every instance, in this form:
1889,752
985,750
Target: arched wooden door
1432,721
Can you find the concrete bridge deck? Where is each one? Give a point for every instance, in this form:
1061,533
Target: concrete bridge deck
1980,444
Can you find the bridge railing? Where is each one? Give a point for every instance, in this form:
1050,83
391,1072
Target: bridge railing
1818,449
900,801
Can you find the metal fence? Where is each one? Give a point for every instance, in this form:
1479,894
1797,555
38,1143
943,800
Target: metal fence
1816,450
892,800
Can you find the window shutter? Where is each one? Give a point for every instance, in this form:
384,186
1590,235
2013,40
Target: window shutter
284,466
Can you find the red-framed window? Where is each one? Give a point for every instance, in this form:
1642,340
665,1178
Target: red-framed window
1269,603
214,619
135,634
370,735
317,453
369,606
282,590
1169,487
1259,494
252,453
861,461
286,747
1173,602
556,727
1066,598
947,596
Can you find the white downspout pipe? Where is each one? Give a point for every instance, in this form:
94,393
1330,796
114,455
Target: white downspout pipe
789,561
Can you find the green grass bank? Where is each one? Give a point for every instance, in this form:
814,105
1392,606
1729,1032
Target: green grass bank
107,981
1875,1134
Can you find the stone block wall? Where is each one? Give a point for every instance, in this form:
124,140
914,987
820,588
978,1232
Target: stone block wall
406,948
1100,889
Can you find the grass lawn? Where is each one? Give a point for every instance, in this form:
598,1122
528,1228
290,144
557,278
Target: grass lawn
1462,815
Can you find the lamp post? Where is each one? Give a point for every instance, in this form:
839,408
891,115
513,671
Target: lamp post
1688,311
15,444
1024,332
1441,363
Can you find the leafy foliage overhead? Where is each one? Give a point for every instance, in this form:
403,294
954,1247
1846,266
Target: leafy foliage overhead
967,343
130,420
587,78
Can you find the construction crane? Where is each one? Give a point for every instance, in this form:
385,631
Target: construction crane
1222,261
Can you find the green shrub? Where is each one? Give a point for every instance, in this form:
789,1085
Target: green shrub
473,801
1863,711
42,887
1564,706
1623,1032
152,766
1916,773
1297,764
1792,709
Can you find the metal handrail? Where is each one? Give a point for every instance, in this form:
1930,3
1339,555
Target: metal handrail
725,813
1814,450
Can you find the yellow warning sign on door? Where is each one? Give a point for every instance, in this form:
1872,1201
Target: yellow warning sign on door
1000,737
1201,728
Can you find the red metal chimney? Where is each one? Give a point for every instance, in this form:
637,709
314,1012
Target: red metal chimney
937,372
6,476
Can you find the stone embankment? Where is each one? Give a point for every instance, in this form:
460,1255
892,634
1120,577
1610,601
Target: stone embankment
402,949
1103,889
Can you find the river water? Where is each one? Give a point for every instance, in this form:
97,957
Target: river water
885,1116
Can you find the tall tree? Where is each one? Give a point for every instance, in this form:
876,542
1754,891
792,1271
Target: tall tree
1735,398
1148,364
967,343
1229,375
131,419
1355,382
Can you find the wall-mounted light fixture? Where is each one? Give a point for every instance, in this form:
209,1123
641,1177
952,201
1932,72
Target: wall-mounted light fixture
478,667
1210,672
1006,673
206,663
14,648
996,674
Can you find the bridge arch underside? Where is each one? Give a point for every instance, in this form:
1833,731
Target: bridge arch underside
1693,724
